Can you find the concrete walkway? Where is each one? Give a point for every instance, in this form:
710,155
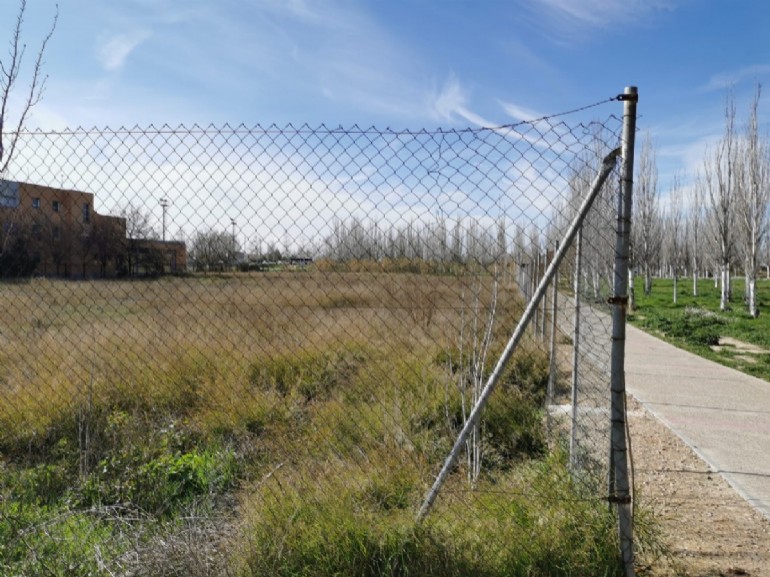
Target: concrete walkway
721,413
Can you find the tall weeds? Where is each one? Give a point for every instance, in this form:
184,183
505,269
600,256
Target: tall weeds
292,421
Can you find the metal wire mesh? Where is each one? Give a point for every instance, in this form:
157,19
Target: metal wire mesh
225,350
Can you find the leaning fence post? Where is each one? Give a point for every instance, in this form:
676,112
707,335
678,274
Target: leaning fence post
620,492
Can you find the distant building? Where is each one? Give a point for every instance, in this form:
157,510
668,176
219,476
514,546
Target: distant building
150,257
56,232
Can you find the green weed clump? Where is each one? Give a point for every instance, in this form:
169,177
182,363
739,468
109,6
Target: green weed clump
548,527
693,326
46,541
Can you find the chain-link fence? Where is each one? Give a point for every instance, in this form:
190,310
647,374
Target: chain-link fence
249,351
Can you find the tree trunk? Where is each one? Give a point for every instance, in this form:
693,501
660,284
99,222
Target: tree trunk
694,282
725,293
752,284
746,283
676,280
631,292
647,280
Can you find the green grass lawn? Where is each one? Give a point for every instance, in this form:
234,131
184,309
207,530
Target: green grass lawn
696,323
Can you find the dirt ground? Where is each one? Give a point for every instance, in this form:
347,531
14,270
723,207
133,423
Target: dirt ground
708,528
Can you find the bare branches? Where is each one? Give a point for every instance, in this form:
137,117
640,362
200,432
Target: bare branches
10,69
647,212
675,234
719,172
753,197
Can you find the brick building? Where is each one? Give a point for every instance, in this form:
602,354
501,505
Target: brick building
56,232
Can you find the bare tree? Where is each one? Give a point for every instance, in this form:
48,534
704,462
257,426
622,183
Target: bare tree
11,68
753,199
216,250
646,231
138,228
675,234
720,175
694,225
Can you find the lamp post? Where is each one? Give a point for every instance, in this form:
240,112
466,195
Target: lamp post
164,205
232,222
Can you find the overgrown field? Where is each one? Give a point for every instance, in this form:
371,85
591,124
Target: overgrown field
283,423
697,324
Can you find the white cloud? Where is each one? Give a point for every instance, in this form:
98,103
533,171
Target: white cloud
113,52
605,12
520,112
728,79
567,20
451,101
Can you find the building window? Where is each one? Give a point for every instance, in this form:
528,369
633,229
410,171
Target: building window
35,203
86,213
56,206
56,232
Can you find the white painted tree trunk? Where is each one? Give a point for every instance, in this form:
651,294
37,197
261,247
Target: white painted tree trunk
725,292
676,282
753,298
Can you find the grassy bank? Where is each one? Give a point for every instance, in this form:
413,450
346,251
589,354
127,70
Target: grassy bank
697,324
275,424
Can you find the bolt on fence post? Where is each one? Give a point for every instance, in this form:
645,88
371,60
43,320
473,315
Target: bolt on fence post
573,448
620,492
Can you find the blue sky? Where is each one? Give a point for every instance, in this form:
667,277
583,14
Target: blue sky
401,63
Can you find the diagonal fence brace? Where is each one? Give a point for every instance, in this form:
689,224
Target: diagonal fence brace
608,164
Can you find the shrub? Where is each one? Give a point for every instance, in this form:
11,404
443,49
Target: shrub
158,478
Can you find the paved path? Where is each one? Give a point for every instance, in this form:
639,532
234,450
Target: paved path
721,413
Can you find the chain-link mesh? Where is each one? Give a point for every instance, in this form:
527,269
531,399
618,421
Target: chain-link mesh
248,351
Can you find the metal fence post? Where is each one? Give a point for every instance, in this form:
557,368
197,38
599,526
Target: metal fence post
620,493
552,368
573,448
544,306
534,279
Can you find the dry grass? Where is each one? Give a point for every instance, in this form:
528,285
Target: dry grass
62,340
329,397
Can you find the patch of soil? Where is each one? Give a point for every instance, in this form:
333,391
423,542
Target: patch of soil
708,527
738,346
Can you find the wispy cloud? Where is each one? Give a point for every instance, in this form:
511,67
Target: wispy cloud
728,79
112,52
520,112
452,102
573,19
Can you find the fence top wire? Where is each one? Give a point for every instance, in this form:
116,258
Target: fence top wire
296,182
308,129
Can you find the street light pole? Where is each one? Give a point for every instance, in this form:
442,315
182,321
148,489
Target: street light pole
164,205
232,222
